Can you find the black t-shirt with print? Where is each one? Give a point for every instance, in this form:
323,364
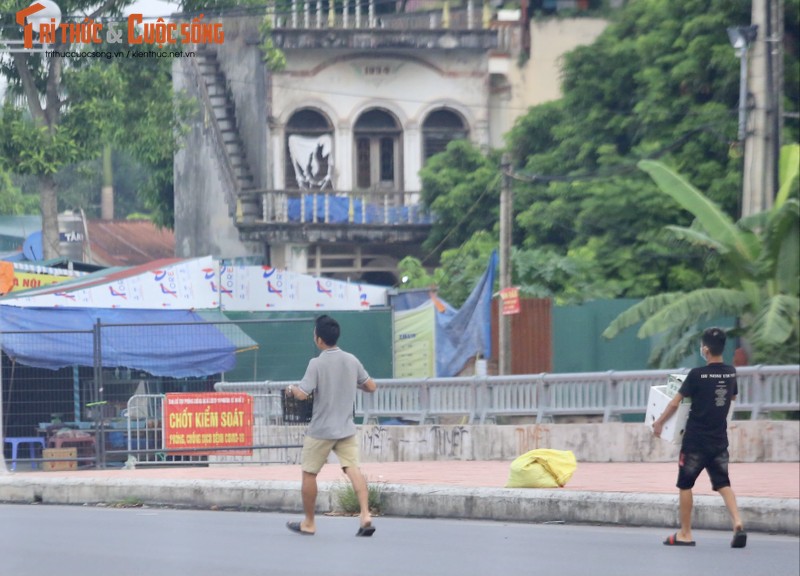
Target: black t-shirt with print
711,388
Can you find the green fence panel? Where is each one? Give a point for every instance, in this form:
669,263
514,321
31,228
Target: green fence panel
579,346
285,343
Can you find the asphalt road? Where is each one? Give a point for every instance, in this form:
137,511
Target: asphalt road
39,540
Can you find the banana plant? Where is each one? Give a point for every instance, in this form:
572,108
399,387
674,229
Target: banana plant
761,287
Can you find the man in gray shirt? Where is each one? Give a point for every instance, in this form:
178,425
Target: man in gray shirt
333,378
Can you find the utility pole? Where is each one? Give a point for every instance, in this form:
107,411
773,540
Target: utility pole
107,191
506,216
763,139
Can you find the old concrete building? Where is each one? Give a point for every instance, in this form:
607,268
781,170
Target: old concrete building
315,167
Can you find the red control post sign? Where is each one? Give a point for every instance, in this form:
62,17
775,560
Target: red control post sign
510,299
208,421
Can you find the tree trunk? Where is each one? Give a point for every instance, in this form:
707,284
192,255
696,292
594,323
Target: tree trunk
49,206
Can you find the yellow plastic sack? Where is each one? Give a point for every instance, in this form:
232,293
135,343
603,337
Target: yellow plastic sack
542,468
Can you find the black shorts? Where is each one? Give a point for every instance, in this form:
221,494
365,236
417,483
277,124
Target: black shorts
690,464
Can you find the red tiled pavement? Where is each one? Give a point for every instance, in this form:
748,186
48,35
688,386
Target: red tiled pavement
762,480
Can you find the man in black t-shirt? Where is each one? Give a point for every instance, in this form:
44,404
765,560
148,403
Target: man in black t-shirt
712,388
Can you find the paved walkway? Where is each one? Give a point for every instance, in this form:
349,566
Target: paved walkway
761,480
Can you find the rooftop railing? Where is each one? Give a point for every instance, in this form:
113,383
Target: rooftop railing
355,14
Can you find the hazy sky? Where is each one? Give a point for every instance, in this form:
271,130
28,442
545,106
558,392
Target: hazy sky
154,8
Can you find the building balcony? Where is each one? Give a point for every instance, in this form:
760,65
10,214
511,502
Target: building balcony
305,216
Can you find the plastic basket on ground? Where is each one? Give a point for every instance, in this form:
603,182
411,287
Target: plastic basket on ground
297,411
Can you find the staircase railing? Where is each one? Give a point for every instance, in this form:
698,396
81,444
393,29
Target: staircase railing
232,188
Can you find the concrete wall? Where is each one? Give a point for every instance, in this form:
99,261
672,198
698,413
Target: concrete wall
750,441
516,87
203,225
539,80
758,441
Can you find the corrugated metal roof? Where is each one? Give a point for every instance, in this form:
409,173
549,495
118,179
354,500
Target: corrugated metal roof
128,242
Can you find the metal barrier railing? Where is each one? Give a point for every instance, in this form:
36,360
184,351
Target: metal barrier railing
610,395
274,441
763,390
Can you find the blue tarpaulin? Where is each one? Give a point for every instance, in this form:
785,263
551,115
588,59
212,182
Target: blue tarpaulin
462,333
334,209
181,345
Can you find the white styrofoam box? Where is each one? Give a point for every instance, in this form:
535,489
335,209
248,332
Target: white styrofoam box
509,15
674,427
674,383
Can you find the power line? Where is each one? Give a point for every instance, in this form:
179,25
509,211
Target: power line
456,227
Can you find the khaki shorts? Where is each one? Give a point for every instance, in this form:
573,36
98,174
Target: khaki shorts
316,451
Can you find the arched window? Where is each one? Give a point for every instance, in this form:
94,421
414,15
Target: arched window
309,151
439,129
378,138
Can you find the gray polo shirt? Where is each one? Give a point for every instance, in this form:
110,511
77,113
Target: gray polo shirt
333,377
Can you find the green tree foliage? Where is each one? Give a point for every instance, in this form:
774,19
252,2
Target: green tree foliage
760,258
50,146
152,128
460,267
103,108
12,200
462,187
75,107
662,81
272,56
791,70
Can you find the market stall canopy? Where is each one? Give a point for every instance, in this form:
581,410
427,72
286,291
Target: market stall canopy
172,343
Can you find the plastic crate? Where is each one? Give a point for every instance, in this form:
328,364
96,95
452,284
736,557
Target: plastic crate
297,411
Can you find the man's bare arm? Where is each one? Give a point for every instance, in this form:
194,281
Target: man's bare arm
369,385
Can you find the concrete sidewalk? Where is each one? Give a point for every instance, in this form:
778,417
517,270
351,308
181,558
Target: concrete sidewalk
604,493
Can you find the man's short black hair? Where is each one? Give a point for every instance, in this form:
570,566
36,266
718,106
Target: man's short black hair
714,340
328,329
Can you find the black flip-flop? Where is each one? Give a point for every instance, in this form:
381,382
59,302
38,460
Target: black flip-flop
672,540
295,527
739,539
366,530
